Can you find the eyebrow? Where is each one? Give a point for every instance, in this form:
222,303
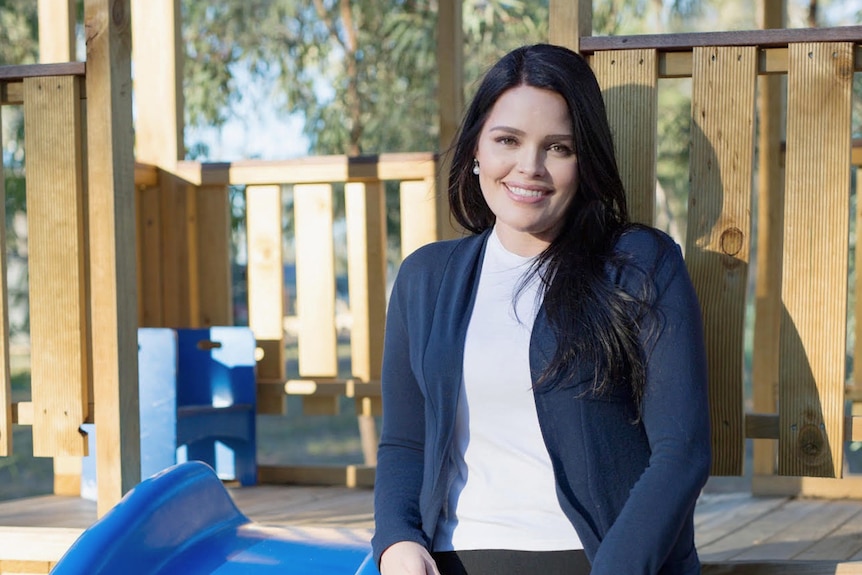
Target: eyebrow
521,133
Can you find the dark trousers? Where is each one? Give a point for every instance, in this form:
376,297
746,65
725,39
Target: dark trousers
507,562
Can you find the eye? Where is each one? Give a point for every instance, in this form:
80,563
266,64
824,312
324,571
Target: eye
560,149
506,140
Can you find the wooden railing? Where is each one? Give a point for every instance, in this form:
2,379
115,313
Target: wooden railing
800,393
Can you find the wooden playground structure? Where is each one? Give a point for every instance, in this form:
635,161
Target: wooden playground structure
125,234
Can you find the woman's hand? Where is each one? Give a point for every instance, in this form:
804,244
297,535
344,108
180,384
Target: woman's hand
407,558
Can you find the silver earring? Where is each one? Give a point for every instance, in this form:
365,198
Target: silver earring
475,166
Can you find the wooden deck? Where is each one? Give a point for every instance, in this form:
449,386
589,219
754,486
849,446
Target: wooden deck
812,536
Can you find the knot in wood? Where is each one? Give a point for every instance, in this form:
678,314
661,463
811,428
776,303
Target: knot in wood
731,241
811,445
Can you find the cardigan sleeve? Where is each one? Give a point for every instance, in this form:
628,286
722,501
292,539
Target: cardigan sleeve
400,455
646,536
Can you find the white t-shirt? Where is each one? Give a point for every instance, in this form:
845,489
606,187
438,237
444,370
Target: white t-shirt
503,496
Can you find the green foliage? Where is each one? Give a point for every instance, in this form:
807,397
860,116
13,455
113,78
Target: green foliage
18,38
362,73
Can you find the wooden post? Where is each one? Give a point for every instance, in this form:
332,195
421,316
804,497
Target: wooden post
5,383
56,31
814,286
570,20
450,95
718,232
770,229
112,248
419,210
266,288
215,305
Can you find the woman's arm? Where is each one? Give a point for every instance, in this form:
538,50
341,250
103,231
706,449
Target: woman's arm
400,457
675,416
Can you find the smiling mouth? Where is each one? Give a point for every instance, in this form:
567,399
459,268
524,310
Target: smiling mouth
525,193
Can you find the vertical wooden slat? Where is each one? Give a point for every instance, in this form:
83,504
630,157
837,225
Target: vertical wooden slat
857,340
5,384
814,286
419,215
770,231
366,272
213,262
56,31
266,287
55,222
629,81
176,210
149,256
111,187
569,21
718,231
315,285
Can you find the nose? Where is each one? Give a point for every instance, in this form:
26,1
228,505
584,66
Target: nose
531,161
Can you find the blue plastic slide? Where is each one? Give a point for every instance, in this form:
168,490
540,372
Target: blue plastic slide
183,521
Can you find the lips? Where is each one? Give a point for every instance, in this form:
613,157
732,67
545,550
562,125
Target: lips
527,192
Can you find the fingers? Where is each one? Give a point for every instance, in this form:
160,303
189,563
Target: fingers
407,558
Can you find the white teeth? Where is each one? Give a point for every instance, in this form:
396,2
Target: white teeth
526,193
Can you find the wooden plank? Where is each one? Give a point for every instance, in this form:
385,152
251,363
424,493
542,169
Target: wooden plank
178,244
847,487
419,215
112,248
149,255
57,41
266,287
629,85
5,381
312,170
158,82
843,541
718,242
569,22
713,530
16,73
770,230
315,280
366,271
214,256
35,545
814,286
783,568
686,41
768,426
11,93
741,541
56,216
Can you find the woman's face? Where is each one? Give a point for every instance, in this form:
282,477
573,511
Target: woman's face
528,167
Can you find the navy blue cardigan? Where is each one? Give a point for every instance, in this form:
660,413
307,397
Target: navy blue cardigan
628,488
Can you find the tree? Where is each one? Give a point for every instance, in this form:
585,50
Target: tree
361,72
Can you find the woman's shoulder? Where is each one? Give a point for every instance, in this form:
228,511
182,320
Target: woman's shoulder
645,245
434,258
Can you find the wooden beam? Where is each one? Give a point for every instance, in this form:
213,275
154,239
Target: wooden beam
814,285
420,214
346,475
5,381
17,73
57,42
158,56
112,248
718,242
570,22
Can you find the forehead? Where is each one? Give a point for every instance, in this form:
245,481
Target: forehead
527,108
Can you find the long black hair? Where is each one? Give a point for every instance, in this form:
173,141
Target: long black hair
594,321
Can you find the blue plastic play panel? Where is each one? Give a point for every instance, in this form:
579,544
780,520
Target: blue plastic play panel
183,521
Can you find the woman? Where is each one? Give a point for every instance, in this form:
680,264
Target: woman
544,384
